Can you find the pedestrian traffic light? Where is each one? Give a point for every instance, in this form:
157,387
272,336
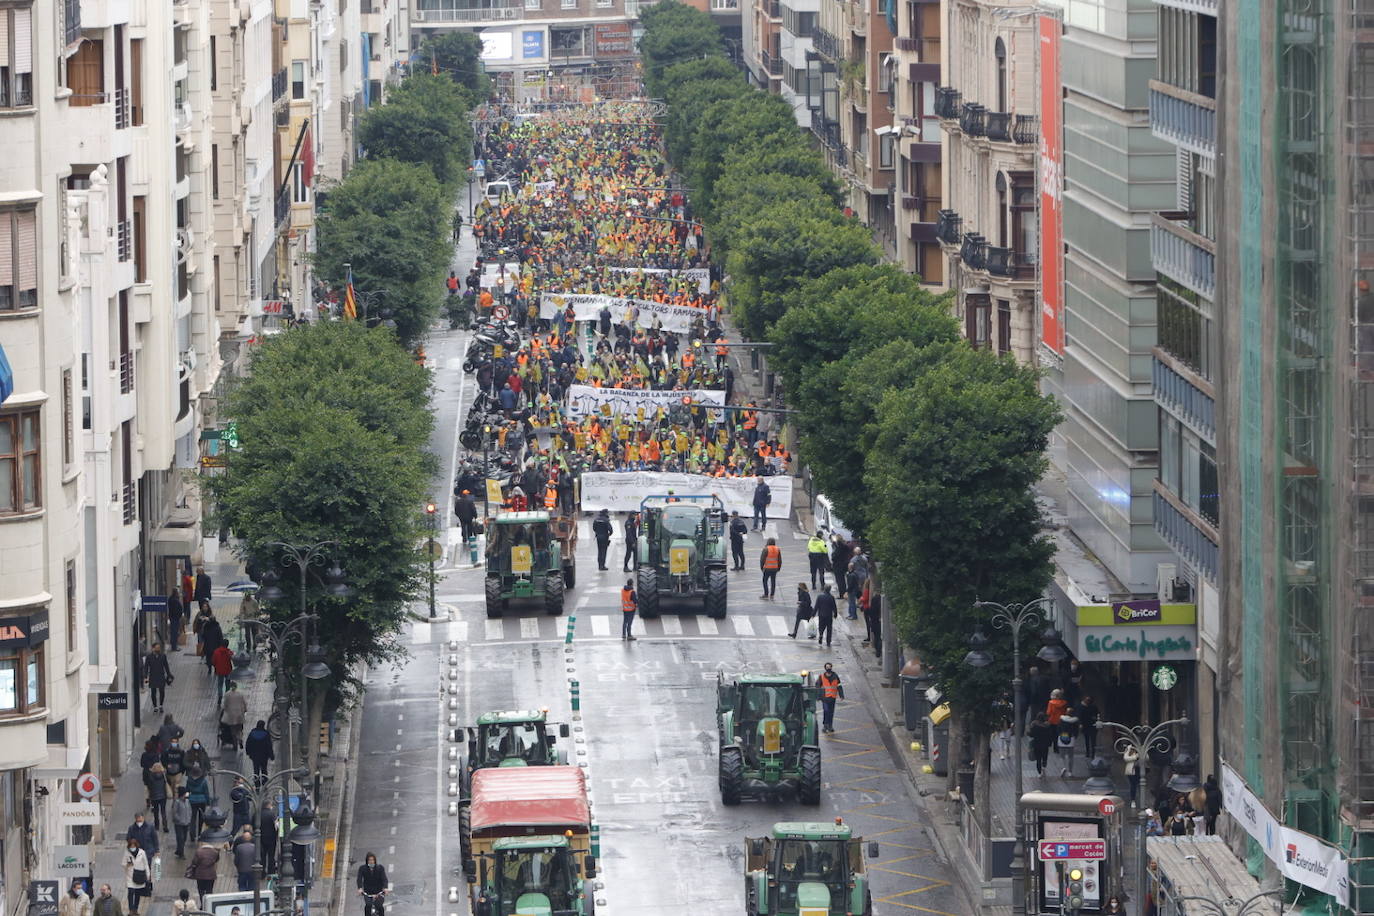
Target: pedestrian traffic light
1073,893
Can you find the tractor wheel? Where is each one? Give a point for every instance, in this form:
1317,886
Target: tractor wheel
716,585
464,833
553,594
495,603
570,575
646,587
868,903
809,792
731,775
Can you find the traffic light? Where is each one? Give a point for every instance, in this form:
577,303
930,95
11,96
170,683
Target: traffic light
430,508
1073,891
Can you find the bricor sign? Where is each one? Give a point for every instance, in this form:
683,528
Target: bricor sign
29,630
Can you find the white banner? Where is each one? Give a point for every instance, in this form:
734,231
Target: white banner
623,492
585,399
587,307
702,275
1300,856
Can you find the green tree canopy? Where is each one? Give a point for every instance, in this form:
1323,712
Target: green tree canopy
674,32
424,121
458,55
740,124
691,86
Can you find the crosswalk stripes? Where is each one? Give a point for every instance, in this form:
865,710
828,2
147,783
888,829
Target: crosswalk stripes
529,627
521,626
458,630
601,625
778,626
672,626
744,626
496,629
707,627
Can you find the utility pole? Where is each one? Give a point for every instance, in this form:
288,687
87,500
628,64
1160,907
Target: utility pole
431,511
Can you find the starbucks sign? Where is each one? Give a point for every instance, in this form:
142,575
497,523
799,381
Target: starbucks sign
1140,643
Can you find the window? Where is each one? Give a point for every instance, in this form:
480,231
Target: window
68,445
214,171
18,260
71,605
978,321
568,4
1185,327
1000,52
1003,326
20,468
1169,449
885,146
298,79
214,66
16,57
21,680
300,191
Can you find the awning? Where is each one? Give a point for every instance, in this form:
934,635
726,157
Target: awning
6,377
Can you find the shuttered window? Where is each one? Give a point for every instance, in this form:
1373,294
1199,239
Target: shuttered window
16,57
18,260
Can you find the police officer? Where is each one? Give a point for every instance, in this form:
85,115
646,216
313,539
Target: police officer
737,532
818,555
831,690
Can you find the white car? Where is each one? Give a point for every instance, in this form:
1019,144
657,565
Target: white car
827,522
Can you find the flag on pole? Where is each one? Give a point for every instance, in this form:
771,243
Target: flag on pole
350,308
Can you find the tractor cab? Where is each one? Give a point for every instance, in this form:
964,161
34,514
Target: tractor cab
525,560
533,876
767,728
807,869
515,738
512,530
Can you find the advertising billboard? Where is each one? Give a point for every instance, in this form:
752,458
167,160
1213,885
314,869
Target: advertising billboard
612,39
532,45
497,45
1051,187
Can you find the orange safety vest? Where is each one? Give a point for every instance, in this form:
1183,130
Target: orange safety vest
751,420
550,497
830,685
772,557
720,350
627,600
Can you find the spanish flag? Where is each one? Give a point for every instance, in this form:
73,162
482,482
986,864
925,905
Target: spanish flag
350,308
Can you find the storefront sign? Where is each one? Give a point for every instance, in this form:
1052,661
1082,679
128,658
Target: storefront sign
74,813
112,700
28,631
43,898
1135,612
1118,644
71,862
612,39
1164,677
532,48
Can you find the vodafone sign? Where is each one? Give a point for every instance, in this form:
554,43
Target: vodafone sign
87,785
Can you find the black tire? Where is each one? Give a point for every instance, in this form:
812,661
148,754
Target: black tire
570,575
495,603
553,594
471,441
468,365
464,834
731,775
717,585
809,792
646,587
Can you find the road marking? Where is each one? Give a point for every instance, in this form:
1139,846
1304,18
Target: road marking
529,627
400,731
707,627
327,866
420,633
458,630
672,626
601,625
495,629
455,597
743,626
778,626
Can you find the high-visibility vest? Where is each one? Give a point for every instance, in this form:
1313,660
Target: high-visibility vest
815,545
627,600
772,557
830,685
550,497
721,350
751,420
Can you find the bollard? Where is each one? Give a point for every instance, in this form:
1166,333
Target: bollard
576,697
572,622
472,549
596,842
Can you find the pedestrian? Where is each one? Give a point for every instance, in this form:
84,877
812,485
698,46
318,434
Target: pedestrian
839,565
804,610
629,603
155,781
770,561
1180,825
1088,714
1073,682
150,753
222,660
204,868
1211,806
1056,707
173,763
157,675
631,539
245,854
831,690
188,586
208,633
258,747
181,820
1041,734
241,801
1131,760
372,883
107,904
1037,688
466,509
182,906
176,613
855,580
198,793
817,557
873,626
203,587
145,833
136,878
762,497
737,532
76,902
1114,907
249,612
602,530
198,756
825,616
169,732
233,709
267,838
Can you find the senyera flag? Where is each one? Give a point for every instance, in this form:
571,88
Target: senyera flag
350,308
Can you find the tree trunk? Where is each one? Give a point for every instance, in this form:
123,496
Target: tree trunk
954,754
982,796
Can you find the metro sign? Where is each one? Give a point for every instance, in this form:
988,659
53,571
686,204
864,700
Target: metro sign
1060,850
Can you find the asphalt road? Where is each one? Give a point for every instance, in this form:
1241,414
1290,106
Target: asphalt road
646,733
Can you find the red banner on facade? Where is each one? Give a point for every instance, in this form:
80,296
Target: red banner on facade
1051,188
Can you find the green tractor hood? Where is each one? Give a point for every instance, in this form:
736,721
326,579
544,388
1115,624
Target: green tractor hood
533,905
514,762
813,899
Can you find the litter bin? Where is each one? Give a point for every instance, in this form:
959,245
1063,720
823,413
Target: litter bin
937,739
914,682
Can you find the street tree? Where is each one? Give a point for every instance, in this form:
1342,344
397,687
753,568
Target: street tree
424,121
458,55
674,32
690,87
741,124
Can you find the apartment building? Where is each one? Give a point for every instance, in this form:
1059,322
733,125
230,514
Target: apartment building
797,25
917,135
537,50
988,111
339,87
381,45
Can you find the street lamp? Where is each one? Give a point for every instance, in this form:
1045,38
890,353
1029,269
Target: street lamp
214,832
1143,739
431,510
258,792
1220,909
1014,617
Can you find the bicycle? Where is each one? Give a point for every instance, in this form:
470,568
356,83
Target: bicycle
373,904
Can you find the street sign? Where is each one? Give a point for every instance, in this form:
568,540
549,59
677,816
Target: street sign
1056,850
87,785
70,814
42,898
154,604
71,862
112,700
1106,807
479,168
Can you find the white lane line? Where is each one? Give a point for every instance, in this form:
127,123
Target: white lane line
743,626
496,629
529,627
455,597
672,626
458,630
601,625
707,627
420,633
779,626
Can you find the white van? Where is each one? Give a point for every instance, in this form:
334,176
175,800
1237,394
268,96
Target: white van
495,190
827,522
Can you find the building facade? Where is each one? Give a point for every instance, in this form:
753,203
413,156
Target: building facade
916,130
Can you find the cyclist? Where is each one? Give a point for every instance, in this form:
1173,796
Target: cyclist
372,885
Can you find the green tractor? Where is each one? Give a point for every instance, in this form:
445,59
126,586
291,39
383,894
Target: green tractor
681,553
533,876
524,560
767,725
807,869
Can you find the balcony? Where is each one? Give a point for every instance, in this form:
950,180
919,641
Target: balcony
927,49
998,126
973,251
947,224
1026,130
1185,400
1182,255
946,102
280,81
1183,118
773,65
825,44
121,109
773,9
971,119
1010,263
281,209
1184,533
499,10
